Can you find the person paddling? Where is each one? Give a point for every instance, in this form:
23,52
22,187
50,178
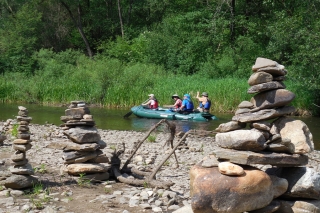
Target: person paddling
152,103
187,104
205,102
177,103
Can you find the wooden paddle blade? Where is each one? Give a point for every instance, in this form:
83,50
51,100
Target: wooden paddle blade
128,114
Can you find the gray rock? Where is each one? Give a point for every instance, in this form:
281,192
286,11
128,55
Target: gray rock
20,181
264,114
272,207
22,170
272,99
230,126
241,140
263,62
83,135
273,71
304,182
265,87
295,130
266,158
76,169
259,78
70,146
245,104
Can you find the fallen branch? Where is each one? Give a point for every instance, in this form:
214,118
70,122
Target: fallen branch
140,143
315,105
167,157
135,182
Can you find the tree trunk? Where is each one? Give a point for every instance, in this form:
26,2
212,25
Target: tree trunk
79,26
120,18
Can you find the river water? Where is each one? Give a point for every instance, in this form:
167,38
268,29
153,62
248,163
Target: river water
113,119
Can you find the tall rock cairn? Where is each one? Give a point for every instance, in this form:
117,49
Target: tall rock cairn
21,170
260,163
82,154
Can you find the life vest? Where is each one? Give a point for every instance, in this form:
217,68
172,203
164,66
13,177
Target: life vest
179,104
189,106
206,106
155,105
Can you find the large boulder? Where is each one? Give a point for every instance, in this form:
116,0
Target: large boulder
213,192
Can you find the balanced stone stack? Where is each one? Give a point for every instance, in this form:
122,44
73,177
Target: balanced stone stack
82,153
260,163
21,170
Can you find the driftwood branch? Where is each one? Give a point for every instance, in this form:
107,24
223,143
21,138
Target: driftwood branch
167,157
135,182
169,142
140,143
149,179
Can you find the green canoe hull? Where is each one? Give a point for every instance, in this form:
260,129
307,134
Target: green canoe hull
139,111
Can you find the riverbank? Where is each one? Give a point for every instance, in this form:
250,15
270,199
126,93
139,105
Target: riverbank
65,194
109,196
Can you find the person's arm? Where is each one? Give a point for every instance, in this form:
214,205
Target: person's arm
198,95
146,104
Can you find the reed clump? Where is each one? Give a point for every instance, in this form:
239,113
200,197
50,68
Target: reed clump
110,83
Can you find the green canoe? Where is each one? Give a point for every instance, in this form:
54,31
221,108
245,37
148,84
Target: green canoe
161,113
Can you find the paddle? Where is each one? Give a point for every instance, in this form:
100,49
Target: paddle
130,113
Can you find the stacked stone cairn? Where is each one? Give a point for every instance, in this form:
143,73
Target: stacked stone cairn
259,165
82,152
20,173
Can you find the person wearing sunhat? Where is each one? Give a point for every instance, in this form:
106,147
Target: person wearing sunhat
152,102
178,101
205,102
187,104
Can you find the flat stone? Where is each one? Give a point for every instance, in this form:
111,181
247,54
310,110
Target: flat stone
22,170
245,104
22,118
79,111
70,146
76,169
259,78
83,135
273,70
21,141
266,158
264,114
263,62
18,156
20,181
265,87
231,169
22,147
272,99
230,126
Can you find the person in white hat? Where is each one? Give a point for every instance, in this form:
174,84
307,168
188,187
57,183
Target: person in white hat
152,103
205,102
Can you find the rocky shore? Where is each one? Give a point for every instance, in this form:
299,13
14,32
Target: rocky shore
65,193
62,193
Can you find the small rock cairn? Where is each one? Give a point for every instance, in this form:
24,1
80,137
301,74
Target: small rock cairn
21,170
259,167
82,154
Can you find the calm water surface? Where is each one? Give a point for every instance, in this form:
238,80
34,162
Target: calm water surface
113,119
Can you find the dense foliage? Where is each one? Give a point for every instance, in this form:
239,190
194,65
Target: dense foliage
129,46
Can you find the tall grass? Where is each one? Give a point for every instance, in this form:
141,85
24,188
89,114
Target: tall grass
109,83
